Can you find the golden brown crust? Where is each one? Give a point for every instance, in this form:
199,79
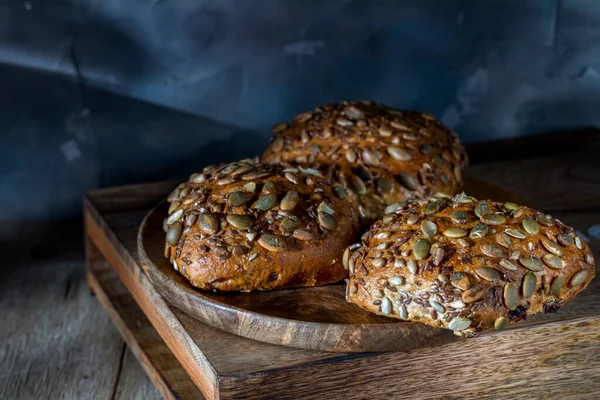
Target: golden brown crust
248,226
467,265
381,155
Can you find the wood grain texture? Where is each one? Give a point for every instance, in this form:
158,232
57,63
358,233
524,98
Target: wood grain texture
549,356
144,343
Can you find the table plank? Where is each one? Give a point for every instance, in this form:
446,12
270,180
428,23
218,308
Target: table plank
133,382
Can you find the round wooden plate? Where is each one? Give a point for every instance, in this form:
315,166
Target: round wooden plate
317,318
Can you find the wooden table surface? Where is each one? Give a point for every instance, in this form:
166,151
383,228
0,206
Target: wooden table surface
57,341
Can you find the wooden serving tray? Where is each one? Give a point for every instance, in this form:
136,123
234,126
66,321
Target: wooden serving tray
550,356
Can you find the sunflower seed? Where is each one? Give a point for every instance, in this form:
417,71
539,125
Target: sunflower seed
531,263
557,284
511,296
359,185
369,158
511,206
378,262
289,201
455,233
174,217
428,228
402,312
437,306
491,250
386,306
350,156
503,240
478,231
463,242
236,199
303,234
208,224
492,219
473,294
460,217
565,240
515,233
500,323
396,280
174,233
529,284
310,171
344,122
385,131
488,273
399,154
225,181
407,181
270,242
509,265
339,192
174,206
239,221
459,323
578,243
543,219
412,266
553,261
589,258
531,226
482,209
291,177
421,248
326,221
579,278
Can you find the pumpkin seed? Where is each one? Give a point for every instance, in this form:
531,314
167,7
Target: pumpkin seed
392,207
509,265
557,284
531,226
324,207
353,112
359,185
455,233
236,199
492,219
289,201
370,158
473,294
412,266
270,242
531,263
174,217
174,206
407,181
511,206
529,283
553,261
303,234
511,296
174,233
385,132
459,323
412,219
515,233
488,273
478,231
503,240
543,219
428,228
437,306
326,221
565,240
289,223
426,148
491,250
225,181
339,192
344,122
350,156
396,280
500,323
431,208
399,154
239,221
378,262
421,248
384,185
208,224
399,263
277,144
579,278
552,247
265,202
460,217
460,280
250,187
482,209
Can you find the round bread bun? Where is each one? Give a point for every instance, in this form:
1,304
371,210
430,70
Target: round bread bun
248,226
379,154
466,265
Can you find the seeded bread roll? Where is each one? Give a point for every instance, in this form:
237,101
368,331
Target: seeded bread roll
247,226
466,265
380,155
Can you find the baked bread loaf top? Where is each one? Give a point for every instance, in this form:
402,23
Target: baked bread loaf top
249,226
467,265
380,155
